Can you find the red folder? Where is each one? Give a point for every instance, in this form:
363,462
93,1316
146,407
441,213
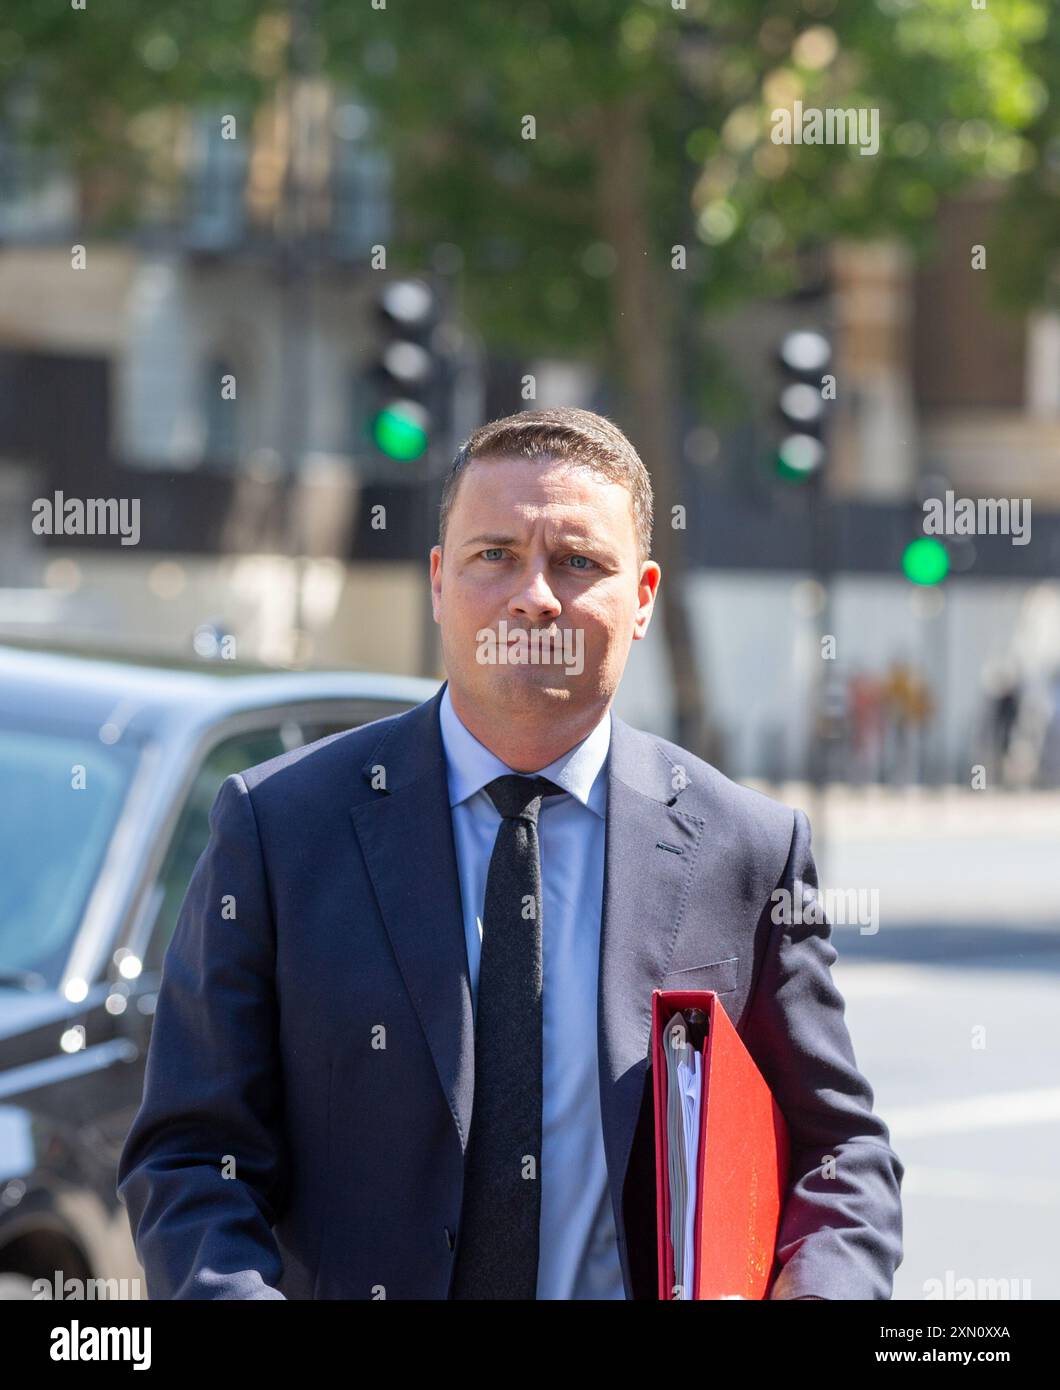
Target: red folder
742,1161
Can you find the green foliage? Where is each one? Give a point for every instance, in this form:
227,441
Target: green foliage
961,92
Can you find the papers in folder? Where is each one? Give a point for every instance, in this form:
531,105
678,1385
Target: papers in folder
684,1090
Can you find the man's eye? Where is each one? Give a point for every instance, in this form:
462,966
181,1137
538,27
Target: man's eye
499,551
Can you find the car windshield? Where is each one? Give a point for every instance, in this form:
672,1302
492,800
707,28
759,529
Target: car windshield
61,792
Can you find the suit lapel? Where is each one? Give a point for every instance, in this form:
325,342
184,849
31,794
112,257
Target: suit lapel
407,841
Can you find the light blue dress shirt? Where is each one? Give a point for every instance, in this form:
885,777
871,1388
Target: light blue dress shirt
578,1245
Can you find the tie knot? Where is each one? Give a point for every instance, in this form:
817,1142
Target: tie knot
517,797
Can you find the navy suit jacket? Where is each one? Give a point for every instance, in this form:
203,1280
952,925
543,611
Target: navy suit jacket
309,1082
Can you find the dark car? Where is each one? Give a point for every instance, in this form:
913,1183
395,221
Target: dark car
108,770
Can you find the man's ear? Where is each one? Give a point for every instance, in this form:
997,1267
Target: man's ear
435,577
651,574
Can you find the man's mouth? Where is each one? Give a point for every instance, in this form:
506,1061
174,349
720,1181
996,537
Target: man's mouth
552,631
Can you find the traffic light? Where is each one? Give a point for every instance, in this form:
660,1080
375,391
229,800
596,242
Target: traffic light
803,357
925,561
403,377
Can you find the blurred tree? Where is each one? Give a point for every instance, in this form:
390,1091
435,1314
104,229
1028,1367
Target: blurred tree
606,167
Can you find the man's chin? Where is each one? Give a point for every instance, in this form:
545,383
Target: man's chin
522,684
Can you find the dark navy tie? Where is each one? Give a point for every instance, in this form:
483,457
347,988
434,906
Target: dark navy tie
497,1244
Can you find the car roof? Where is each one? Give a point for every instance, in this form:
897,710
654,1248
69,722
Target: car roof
88,687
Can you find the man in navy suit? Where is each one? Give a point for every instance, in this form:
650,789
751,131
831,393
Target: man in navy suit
461,912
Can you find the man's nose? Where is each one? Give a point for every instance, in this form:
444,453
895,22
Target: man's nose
534,596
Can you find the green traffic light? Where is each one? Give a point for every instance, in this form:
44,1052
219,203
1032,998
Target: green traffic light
399,431
798,457
925,561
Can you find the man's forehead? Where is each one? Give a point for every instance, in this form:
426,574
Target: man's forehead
570,495
539,473
511,524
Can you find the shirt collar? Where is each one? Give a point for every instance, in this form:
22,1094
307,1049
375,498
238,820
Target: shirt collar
471,765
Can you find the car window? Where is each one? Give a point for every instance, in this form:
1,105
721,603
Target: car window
323,728
193,825
63,792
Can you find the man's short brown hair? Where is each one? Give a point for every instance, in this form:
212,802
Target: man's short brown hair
579,437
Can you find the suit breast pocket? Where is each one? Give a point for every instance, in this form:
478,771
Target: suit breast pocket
721,976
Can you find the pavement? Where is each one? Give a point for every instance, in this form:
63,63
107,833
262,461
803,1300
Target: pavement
953,1005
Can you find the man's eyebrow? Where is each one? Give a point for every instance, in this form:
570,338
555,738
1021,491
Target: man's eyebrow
589,542
492,540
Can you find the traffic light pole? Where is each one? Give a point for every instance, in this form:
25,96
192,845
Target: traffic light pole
804,355
821,562
441,447
295,259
